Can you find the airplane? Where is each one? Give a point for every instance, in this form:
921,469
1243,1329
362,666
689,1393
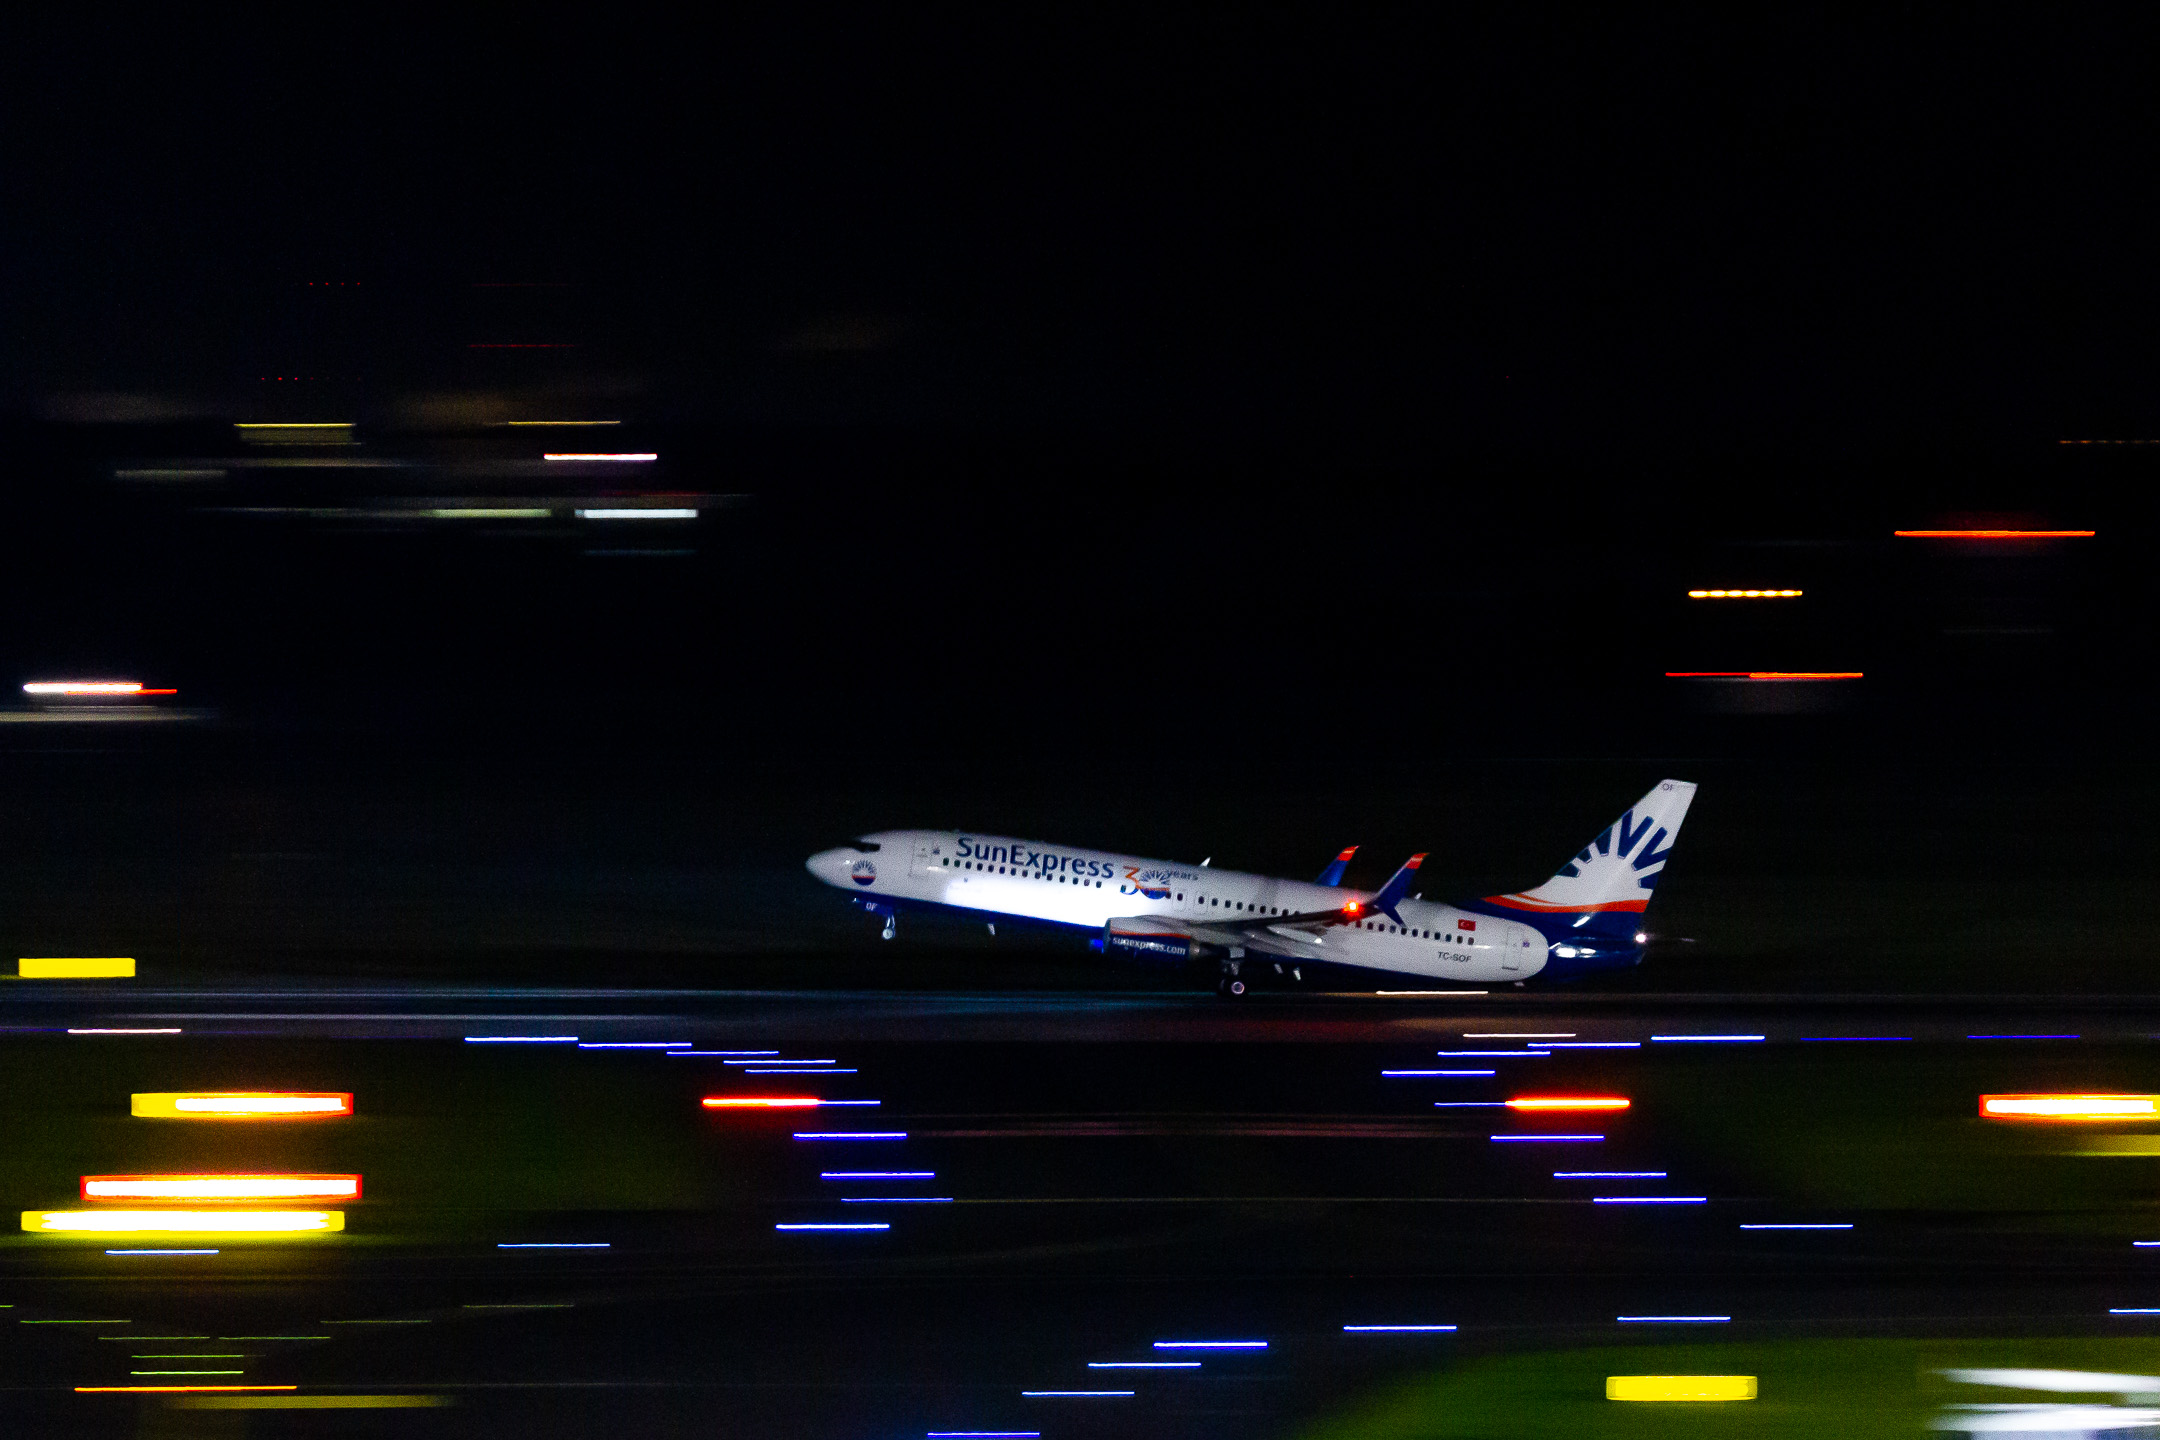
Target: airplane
1260,930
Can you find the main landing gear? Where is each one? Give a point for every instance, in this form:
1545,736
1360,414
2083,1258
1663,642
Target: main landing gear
1229,984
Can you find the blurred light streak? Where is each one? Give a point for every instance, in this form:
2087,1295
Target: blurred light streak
170,1389
1211,1344
1143,1365
183,1222
1743,594
1651,1200
1994,534
75,968
88,687
1673,1319
1567,1102
625,457
1431,992
1669,1388
1075,1394
1608,1175
1707,1039
2137,1310
147,1030
757,1102
799,1070
162,1252
745,1052
1847,1226
1594,1045
983,1434
1518,1035
780,1061
837,1225
521,1039
2022,1037
896,1199
487,512
1452,1073
1467,1104
555,1245
240,1105
635,1044
1540,1139
1824,1039
1491,1054
655,513
221,1187
877,1175
851,1135
313,1402
2069,1107
1395,1329
559,424
241,1371
1765,675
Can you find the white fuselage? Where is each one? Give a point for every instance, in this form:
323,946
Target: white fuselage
996,876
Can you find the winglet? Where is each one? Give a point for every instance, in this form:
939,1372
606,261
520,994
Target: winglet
1334,873
1397,887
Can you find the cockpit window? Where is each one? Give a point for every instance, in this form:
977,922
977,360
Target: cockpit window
867,847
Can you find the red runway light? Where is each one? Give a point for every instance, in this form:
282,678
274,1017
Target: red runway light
1568,1102
762,1102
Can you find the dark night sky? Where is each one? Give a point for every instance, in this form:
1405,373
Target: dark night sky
1538,232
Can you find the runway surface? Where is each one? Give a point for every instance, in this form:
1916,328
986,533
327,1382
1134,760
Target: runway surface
1068,1214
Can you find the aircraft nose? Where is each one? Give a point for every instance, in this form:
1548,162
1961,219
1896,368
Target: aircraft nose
830,866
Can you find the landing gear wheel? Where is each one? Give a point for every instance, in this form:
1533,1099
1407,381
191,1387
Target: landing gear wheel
1231,987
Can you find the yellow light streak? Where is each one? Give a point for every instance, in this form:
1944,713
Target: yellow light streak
75,968
1743,594
1679,1387
236,1224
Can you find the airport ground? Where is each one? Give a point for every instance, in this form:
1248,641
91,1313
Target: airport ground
1127,1180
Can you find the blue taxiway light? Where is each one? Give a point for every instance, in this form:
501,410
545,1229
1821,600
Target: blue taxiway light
1594,1045
1211,1344
1651,1200
1673,1319
1707,1039
2137,1310
835,1225
729,1052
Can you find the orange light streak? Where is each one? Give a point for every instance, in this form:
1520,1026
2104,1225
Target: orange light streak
762,1102
168,1389
221,1187
1994,534
1763,674
1568,1102
240,1105
2070,1107
1743,594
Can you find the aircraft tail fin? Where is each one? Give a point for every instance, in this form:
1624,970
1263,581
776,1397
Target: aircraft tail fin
1614,875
